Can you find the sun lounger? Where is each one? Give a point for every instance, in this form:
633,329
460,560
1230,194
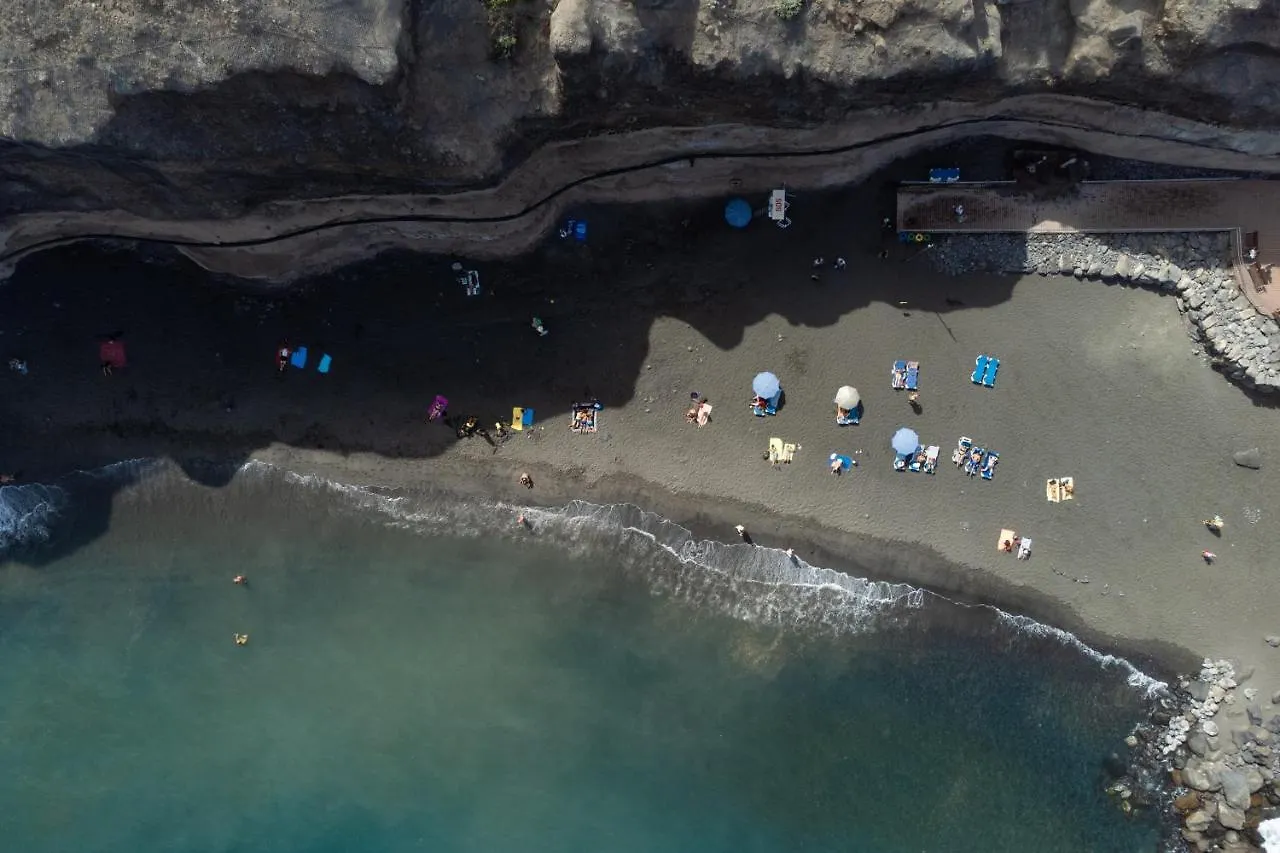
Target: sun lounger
585,417
1024,549
521,419
973,463
326,361
913,375
961,453
299,358
1005,543
900,461
918,460
979,369
898,375
931,459
989,376
704,414
849,417
989,465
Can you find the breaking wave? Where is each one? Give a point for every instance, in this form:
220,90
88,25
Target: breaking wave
751,583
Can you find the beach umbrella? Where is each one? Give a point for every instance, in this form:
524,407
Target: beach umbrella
847,398
905,441
766,385
737,213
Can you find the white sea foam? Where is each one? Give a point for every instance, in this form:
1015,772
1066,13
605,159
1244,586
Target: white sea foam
27,513
766,584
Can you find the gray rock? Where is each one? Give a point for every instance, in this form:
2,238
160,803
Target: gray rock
1241,737
1253,779
1185,284
1198,690
1255,714
1122,268
1273,725
1275,697
1197,743
1201,775
1231,818
1251,458
1199,820
1274,642
1235,789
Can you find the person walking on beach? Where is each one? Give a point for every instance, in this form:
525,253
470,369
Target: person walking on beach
746,537
240,580
526,481
1209,556
913,400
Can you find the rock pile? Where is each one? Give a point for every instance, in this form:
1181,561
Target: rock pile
1231,782
1195,267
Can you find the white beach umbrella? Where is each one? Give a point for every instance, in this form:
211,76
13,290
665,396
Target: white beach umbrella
847,398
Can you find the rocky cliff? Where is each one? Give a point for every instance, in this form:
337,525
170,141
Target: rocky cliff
211,108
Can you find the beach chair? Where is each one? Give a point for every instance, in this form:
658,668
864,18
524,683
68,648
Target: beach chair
898,375
1024,548
326,361
989,465
913,375
901,460
961,453
979,369
918,460
849,417
989,375
973,462
931,459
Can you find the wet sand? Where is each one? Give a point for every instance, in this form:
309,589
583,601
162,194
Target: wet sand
1096,382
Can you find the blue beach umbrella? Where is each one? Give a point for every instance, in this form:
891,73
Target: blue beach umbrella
905,441
766,385
737,213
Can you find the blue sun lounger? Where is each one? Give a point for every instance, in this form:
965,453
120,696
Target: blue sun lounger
973,462
989,376
299,358
979,369
898,375
989,465
913,375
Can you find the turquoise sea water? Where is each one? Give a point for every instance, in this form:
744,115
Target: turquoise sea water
421,675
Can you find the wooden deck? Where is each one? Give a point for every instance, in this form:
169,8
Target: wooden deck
1248,210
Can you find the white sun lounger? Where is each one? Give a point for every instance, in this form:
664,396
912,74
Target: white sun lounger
1024,549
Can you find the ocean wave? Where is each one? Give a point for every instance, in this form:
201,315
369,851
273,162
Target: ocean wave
764,584
28,513
748,582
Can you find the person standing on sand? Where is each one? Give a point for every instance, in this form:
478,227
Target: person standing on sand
526,480
746,537
913,400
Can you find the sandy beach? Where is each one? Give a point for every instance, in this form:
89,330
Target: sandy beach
1096,382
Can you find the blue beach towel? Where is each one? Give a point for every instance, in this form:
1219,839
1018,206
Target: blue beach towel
979,369
299,358
325,361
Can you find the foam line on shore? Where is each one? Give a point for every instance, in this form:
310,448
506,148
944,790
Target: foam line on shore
862,601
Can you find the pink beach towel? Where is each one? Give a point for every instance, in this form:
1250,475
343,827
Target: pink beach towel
439,406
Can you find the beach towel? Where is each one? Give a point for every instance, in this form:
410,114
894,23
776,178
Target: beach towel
325,361
112,353
704,414
299,358
775,450
439,406
1068,485
521,418
789,452
1052,491
1005,543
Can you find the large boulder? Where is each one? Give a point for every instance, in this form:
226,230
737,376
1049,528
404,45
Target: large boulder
1202,775
1235,789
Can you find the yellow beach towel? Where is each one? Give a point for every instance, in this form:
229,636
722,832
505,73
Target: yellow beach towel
775,450
1005,543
